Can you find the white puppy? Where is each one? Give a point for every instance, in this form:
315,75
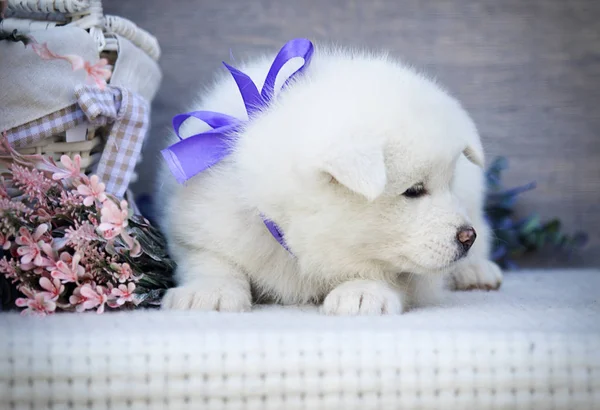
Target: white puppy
372,172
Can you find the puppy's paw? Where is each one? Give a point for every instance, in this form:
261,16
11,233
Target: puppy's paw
362,297
221,294
481,274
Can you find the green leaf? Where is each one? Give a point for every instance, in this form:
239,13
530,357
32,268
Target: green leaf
530,225
540,241
558,239
552,226
517,237
149,246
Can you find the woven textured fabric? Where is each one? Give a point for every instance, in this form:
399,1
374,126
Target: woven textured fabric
128,115
45,127
124,143
533,345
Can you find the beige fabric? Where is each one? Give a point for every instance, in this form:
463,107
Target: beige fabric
23,74
55,123
129,115
135,70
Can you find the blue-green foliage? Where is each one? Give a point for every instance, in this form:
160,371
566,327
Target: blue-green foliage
515,236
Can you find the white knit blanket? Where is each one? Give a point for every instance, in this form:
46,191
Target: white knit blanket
533,345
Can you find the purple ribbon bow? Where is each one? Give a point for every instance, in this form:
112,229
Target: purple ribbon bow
190,156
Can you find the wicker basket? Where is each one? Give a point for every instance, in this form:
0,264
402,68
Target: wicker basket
33,15
56,146
30,15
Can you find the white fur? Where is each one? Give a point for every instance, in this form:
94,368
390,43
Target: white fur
328,161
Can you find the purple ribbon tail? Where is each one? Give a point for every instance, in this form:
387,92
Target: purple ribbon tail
192,155
275,232
195,154
299,47
250,95
199,152
174,165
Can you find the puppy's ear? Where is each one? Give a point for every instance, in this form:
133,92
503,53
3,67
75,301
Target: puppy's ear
360,168
474,151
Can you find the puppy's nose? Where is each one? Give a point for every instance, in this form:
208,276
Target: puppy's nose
466,236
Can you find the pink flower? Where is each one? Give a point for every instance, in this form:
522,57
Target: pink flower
77,300
8,205
91,297
124,272
8,268
53,288
71,168
92,190
70,199
52,258
31,182
68,273
134,246
81,235
93,220
113,219
98,73
4,242
42,215
3,191
37,303
49,261
123,294
30,251
44,52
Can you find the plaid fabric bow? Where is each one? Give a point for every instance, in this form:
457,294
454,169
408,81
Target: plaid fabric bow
126,112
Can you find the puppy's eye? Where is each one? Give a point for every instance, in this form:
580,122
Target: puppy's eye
415,191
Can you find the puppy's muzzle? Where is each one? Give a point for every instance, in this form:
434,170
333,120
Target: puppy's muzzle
465,237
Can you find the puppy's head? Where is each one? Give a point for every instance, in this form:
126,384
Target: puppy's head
356,163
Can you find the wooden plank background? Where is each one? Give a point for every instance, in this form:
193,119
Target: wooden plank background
528,71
